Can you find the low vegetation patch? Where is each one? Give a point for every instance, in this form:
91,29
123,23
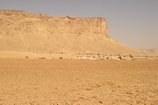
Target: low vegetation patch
42,58
26,57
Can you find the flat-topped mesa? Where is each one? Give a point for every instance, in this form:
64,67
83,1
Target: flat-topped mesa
40,33
58,24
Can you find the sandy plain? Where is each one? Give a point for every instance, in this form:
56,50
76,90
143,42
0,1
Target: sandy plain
78,82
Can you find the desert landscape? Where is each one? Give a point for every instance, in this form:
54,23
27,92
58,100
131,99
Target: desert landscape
33,35
66,60
78,82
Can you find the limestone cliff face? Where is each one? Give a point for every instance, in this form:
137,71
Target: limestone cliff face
25,31
29,22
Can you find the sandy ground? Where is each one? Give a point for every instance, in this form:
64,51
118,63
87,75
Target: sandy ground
23,55
78,82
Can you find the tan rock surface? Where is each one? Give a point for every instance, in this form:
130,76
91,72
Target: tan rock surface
39,33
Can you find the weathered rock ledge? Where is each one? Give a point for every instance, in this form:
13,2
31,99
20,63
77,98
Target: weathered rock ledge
30,22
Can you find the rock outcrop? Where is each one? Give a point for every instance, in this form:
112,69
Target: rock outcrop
29,22
25,31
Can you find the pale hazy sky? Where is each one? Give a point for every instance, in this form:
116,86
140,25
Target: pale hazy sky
132,22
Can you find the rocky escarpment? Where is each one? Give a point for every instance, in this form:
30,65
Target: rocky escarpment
29,22
25,31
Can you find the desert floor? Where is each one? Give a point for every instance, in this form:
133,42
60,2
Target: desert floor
78,82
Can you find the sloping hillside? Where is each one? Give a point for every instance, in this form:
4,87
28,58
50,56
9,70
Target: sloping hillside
39,33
